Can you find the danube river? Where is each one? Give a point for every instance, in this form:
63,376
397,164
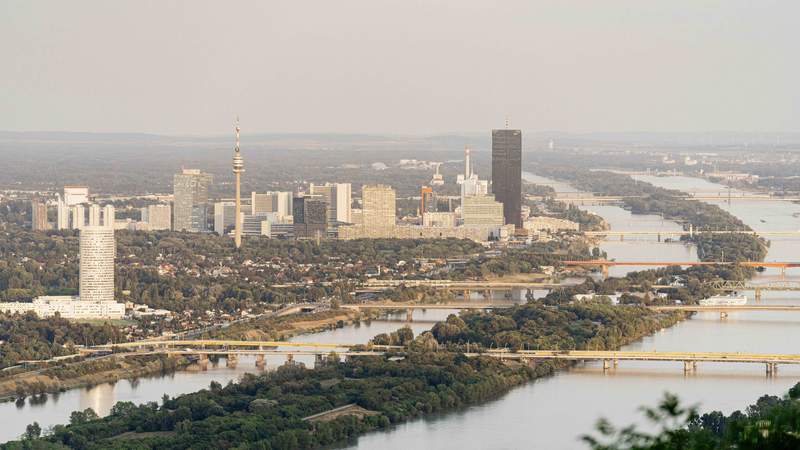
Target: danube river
550,413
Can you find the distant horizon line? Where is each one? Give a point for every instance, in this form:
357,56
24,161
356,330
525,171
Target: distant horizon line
399,134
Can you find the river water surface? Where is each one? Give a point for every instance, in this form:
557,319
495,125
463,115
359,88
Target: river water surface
550,413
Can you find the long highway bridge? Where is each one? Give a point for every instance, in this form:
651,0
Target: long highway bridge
609,358
605,264
724,310
231,350
457,285
662,234
585,199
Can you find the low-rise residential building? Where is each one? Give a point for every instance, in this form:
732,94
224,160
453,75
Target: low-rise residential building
550,224
67,307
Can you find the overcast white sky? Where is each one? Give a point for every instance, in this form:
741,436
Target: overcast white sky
405,66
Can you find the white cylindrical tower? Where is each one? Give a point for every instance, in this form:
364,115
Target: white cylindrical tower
238,169
97,251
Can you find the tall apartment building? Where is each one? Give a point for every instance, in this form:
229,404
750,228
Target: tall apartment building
224,217
62,214
191,188
97,252
157,217
379,211
344,202
94,215
38,215
68,216
310,215
427,202
507,173
109,216
77,217
338,196
76,195
482,211
271,202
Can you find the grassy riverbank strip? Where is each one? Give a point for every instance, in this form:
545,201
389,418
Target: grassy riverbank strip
85,373
62,376
432,375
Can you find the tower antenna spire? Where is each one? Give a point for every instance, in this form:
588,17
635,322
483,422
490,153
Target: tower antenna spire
238,169
237,133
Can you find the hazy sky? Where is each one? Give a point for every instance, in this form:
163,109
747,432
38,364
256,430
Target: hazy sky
405,66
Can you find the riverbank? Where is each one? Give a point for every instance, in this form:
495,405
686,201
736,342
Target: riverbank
86,373
418,382
286,327
110,369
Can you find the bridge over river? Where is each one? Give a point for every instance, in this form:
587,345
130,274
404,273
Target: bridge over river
231,350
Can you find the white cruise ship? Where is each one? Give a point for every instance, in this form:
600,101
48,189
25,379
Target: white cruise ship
724,300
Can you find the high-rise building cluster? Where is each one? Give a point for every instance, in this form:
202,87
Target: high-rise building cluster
487,210
484,209
74,211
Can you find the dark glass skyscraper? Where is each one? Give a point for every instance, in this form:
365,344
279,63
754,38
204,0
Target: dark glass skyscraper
507,173
310,217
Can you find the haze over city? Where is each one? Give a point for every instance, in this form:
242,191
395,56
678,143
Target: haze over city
409,67
560,225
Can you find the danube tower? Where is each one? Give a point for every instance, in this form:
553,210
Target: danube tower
238,168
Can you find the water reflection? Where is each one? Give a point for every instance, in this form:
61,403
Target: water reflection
51,409
551,413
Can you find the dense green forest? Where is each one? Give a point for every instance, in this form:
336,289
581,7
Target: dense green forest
28,337
772,423
268,411
594,325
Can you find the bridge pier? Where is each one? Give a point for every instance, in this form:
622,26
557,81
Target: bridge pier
723,315
605,271
530,362
261,362
689,366
409,315
783,272
319,360
203,361
232,360
758,295
606,364
772,369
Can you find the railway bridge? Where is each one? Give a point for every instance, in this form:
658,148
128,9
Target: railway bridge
605,264
231,350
